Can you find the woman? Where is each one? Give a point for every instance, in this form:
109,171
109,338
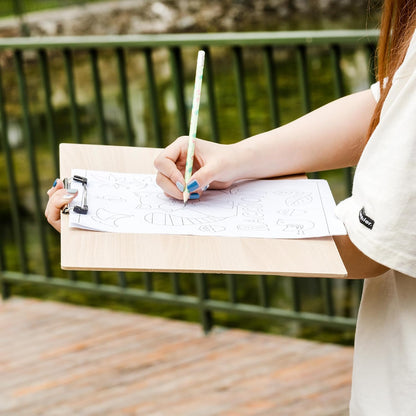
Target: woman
375,129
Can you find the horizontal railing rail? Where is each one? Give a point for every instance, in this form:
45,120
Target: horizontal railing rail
281,38
62,89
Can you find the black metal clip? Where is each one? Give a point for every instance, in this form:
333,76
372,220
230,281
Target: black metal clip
83,208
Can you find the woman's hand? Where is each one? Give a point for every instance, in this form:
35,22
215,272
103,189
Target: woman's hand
214,166
58,198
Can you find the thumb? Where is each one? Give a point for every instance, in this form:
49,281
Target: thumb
201,179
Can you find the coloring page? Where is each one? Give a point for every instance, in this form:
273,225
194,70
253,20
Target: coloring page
133,203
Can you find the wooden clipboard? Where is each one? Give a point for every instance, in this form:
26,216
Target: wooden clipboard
89,250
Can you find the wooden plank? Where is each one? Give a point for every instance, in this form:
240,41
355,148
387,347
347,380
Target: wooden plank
59,359
82,249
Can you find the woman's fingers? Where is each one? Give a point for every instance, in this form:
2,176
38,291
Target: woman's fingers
170,165
211,167
58,198
174,190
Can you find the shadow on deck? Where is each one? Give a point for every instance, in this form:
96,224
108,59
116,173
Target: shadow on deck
59,359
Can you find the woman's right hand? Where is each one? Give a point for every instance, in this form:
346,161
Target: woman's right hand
214,166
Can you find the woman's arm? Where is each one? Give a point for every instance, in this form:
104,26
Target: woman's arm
330,137
358,265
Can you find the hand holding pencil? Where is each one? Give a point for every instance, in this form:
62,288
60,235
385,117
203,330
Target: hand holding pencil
210,162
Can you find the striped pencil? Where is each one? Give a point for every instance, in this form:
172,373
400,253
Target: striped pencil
194,121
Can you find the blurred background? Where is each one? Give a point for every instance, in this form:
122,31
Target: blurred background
113,72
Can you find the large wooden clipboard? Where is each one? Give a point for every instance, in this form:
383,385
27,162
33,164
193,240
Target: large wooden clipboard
88,250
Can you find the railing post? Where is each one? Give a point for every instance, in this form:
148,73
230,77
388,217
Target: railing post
203,294
98,95
178,88
44,69
28,133
241,90
303,78
5,288
124,86
154,107
14,205
263,292
231,288
212,108
271,85
75,123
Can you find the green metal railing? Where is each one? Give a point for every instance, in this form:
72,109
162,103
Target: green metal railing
29,65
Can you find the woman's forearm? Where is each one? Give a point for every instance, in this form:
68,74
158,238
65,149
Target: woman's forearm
330,137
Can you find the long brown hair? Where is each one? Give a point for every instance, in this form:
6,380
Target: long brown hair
397,27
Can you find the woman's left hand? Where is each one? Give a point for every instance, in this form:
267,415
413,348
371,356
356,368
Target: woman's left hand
58,198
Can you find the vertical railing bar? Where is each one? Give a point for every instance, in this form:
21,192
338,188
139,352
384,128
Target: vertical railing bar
75,123
296,299
44,69
96,79
348,288
122,281
340,92
271,85
263,292
93,53
303,78
232,288
174,278
98,95
18,58
212,108
302,60
154,107
182,124
178,88
14,205
148,281
241,90
5,288
122,74
336,67
3,265
203,294
326,288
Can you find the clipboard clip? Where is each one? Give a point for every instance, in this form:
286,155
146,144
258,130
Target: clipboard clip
83,208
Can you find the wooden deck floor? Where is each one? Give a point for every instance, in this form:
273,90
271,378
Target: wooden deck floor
59,359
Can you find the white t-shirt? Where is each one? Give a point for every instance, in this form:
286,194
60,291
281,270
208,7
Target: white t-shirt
381,221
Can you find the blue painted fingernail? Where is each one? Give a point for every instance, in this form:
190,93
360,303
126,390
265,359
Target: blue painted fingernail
54,184
193,186
180,186
195,195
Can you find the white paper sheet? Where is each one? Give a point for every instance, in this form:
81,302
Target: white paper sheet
133,203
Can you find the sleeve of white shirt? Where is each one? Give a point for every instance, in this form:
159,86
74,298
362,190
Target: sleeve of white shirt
380,216
375,89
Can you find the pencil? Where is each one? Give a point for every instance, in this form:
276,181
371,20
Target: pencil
194,121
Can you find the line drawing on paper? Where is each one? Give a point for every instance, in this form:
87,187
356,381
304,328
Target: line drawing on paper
109,218
133,203
298,227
